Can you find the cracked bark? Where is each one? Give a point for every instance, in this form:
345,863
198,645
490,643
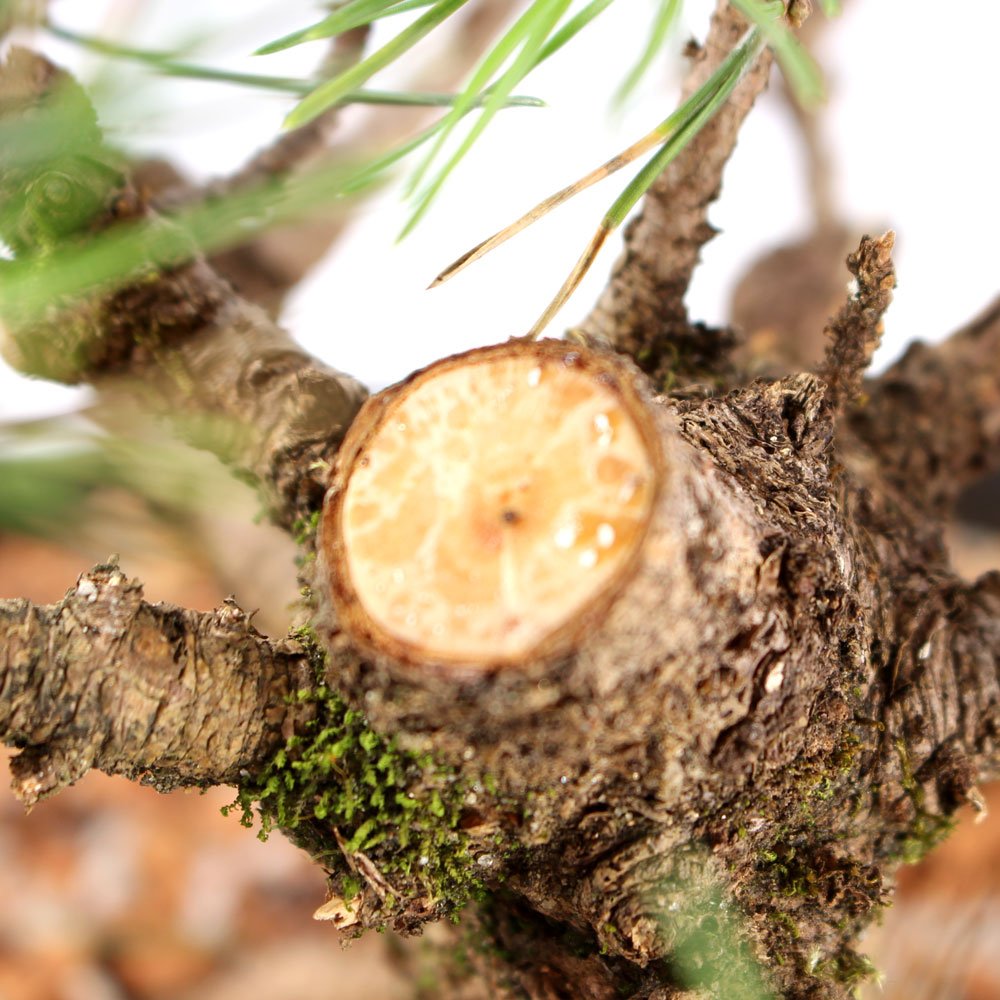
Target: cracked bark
708,792
932,416
157,693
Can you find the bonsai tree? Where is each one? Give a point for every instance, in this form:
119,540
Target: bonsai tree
637,651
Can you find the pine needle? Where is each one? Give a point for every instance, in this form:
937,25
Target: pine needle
800,70
333,90
345,18
689,120
666,17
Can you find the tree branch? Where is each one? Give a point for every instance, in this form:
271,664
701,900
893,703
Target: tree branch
180,339
173,697
266,268
855,332
933,418
642,312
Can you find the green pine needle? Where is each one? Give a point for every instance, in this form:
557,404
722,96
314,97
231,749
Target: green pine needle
666,16
682,126
351,15
572,28
801,72
519,34
162,62
542,17
331,91
830,7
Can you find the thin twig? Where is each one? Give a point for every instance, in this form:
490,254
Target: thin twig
856,331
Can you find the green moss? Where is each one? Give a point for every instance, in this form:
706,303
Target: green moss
925,833
927,829
304,531
846,967
338,782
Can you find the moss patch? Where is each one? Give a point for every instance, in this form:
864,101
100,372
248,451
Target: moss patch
383,821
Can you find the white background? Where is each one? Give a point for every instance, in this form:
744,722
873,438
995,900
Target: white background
911,121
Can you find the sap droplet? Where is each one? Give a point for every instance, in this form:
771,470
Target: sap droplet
565,537
605,536
588,558
534,376
603,427
629,489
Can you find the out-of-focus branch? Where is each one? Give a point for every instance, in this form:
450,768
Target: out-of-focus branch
178,339
783,301
269,266
933,418
642,312
105,680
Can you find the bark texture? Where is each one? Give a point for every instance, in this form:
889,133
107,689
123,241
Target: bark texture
932,417
790,695
177,339
154,692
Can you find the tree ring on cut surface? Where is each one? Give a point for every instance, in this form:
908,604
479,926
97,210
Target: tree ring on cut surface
487,508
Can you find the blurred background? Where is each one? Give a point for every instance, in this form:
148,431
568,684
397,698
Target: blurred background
113,892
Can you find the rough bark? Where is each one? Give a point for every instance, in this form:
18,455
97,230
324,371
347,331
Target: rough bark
179,339
157,693
790,695
932,416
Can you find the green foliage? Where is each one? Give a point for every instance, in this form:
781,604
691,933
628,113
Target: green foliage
522,44
43,494
352,14
50,471
685,123
333,90
708,944
801,71
927,829
667,12
166,64
346,781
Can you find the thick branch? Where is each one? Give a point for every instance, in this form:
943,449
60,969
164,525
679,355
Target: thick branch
173,697
180,340
934,417
943,698
642,312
